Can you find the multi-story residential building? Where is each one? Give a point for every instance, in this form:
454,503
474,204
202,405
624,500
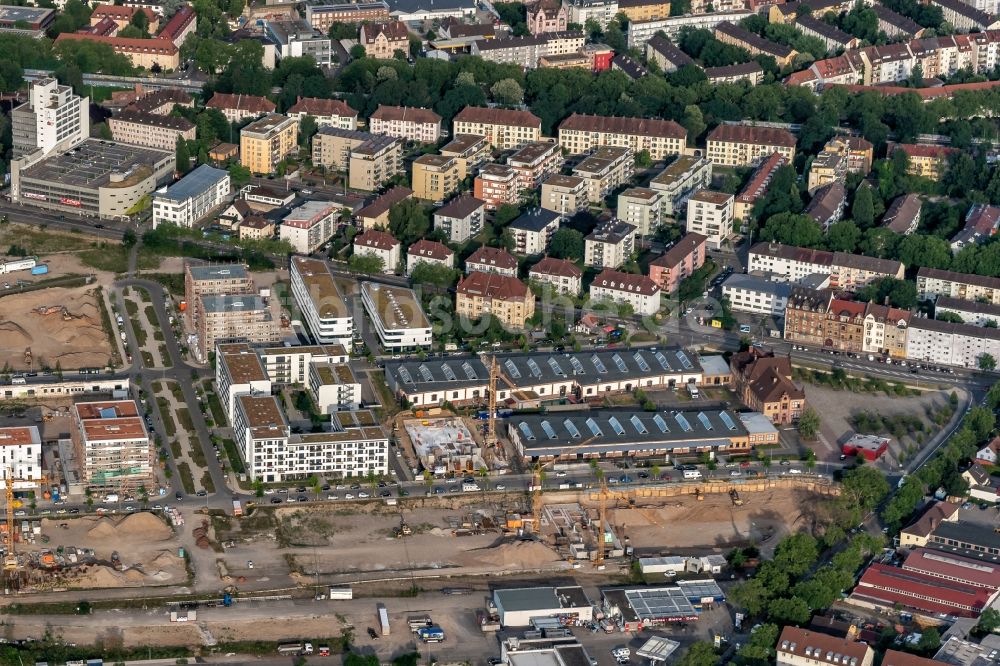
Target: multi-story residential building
637,291
406,122
896,25
566,195
764,384
504,129
322,16
319,300
970,312
436,177
680,261
326,112
631,68
745,145
332,146
564,276
580,134
730,33
296,38
834,38
604,170
506,298
122,16
801,647
469,150
886,330
334,388
815,317
645,10
529,50
376,214
640,32
827,204
308,226
926,160
533,230
981,224
947,343
757,186
934,282
827,168
399,320
21,456
496,185
642,208
374,161
429,252
461,218
190,200
207,279
183,23
846,271
147,53
161,101
233,318
744,71
667,55
382,40
266,142
545,16
53,116
491,260
680,180
903,215
710,214
609,245
238,371
965,17
756,294
290,365
534,162
154,131
237,108
374,243
113,448
601,11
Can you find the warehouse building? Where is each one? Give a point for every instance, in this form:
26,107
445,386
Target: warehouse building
399,320
644,607
608,433
518,607
95,178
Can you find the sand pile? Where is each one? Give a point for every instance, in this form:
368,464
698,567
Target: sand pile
166,559
103,529
144,526
516,555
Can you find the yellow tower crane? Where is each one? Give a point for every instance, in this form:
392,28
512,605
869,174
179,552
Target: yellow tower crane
10,561
491,420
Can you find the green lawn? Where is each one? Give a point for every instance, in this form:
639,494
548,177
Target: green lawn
168,420
186,479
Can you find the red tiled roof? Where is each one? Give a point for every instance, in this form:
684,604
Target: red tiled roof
316,106
493,256
430,249
126,44
623,125
680,250
925,150
126,13
765,136
385,201
478,114
897,658
618,281
892,585
757,186
177,23
406,114
494,285
934,516
954,567
377,239
553,266
394,31
821,647
252,103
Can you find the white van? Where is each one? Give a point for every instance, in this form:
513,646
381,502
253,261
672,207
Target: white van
692,474
469,487
18,380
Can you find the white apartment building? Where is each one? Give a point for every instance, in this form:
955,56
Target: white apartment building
710,214
682,177
194,197
970,312
602,11
640,32
533,230
310,225
404,122
429,252
932,282
238,371
375,243
756,294
111,443
491,260
398,318
505,129
945,343
604,170
642,208
21,453
565,276
609,245
355,448
319,299
290,365
801,647
334,387
52,116
626,289
461,218
580,134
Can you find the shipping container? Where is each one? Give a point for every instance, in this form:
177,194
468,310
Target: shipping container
341,593
383,619
41,269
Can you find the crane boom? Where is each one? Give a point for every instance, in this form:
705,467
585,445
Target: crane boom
491,419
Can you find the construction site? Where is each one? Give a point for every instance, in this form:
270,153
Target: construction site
49,328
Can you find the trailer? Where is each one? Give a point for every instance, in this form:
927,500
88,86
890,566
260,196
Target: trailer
419,622
341,593
383,619
237,508
40,269
295,648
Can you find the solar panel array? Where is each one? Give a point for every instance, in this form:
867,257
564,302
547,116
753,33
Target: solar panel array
662,360
533,367
469,371
577,366
404,374
685,361
425,372
661,424
665,602
620,363
598,364
556,368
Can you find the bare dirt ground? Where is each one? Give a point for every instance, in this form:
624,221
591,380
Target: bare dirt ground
70,334
144,543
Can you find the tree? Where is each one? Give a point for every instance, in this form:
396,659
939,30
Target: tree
567,244
930,640
699,654
433,273
307,128
239,175
366,263
129,238
140,21
507,91
409,221
793,229
843,236
809,424
694,122
900,293
643,160
183,156
358,52
791,610
987,362
796,553
989,621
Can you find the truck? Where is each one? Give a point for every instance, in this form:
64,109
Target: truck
237,508
692,474
295,648
692,390
431,634
383,619
418,622
469,487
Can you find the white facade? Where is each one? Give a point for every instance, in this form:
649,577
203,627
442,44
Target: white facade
191,199
640,32
309,226
601,11
758,295
460,221
21,452
789,269
334,387
533,231
398,318
238,371
320,302
624,288
609,245
683,177
389,253
944,343
53,115
711,215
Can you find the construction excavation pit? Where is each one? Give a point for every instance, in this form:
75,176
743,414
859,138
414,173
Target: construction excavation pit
53,328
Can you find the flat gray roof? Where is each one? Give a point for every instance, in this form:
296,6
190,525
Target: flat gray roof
90,164
229,303
541,598
218,272
198,181
757,283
